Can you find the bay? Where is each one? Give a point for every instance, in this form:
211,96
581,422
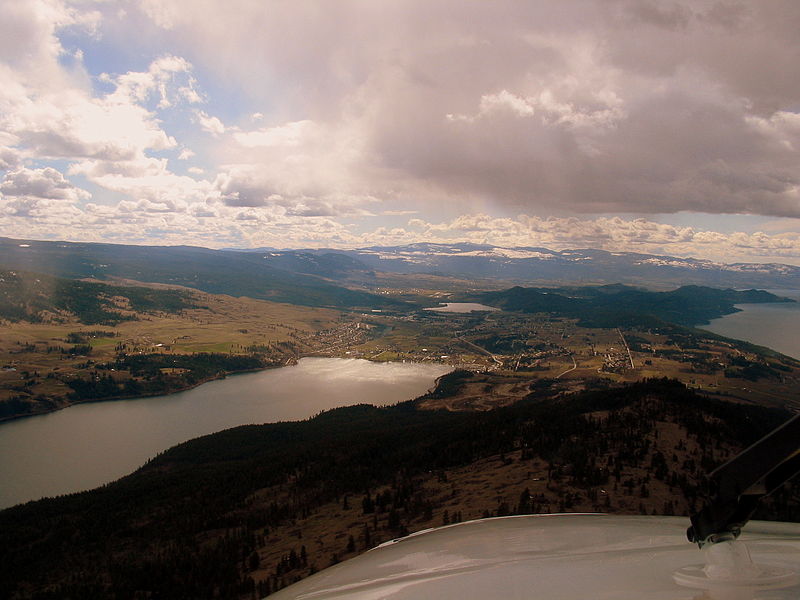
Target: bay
87,445
775,326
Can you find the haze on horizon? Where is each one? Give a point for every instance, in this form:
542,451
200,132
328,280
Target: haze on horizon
668,127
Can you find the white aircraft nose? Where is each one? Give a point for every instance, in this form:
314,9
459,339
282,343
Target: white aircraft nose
546,557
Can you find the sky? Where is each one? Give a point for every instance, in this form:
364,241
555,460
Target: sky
665,127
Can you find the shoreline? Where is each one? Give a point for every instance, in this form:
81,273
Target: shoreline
147,429
185,388
288,363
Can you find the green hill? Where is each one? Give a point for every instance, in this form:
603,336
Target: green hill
624,306
213,271
36,297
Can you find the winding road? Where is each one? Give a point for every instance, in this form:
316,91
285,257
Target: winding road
574,366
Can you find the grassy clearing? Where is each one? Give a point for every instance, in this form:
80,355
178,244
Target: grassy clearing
37,358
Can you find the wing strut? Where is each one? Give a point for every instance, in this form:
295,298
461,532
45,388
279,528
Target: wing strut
739,485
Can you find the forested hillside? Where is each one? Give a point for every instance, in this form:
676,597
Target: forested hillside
244,511
35,297
624,306
234,273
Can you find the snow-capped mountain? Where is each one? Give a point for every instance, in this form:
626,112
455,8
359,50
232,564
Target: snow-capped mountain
252,271
541,264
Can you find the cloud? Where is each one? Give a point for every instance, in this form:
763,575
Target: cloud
242,186
105,135
453,113
69,123
162,78
28,35
299,166
31,211
44,183
399,213
210,124
147,181
210,223
50,111
613,234
9,158
287,136
639,107
162,13
506,101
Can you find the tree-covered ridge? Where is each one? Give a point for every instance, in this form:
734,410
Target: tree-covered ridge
36,297
154,374
624,306
250,274
196,521
139,375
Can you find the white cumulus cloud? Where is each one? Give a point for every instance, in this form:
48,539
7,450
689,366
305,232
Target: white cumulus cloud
44,183
210,124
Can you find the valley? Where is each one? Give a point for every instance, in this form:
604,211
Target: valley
284,282
562,398
149,351
99,341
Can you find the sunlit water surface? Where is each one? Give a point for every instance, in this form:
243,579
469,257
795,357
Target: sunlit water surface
87,445
775,326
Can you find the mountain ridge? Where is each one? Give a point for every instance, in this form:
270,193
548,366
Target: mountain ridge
579,265
617,305
328,276
213,271
537,263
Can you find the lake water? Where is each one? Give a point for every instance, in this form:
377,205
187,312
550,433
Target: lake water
87,445
462,307
775,326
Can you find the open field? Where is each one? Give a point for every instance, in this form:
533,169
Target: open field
529,348
37,359
58,360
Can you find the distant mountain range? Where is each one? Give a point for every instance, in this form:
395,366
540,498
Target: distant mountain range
316,276
533,264
256,275
37,297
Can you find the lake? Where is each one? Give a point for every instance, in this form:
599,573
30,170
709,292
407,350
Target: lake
775,326
87,445
462,307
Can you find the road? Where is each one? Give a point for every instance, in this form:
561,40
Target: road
624,341
497,361
574,366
